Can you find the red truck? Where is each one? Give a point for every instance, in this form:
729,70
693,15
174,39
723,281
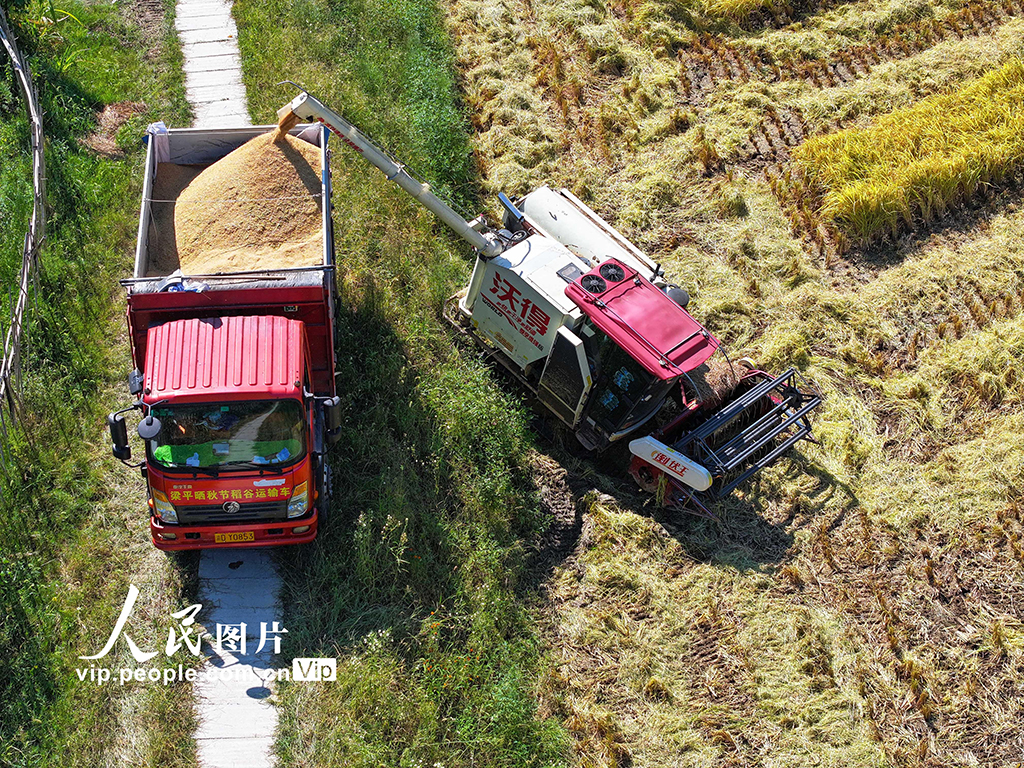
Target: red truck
233,375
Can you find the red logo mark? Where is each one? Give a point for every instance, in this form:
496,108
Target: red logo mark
530,317
669,463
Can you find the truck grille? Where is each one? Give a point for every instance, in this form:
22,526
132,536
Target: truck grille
253,512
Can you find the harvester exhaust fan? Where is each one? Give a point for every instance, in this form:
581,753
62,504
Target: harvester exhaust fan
613,273
593,284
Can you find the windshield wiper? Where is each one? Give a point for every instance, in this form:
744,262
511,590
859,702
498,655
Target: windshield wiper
211,471
254,465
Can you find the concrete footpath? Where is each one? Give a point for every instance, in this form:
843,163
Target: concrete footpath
237,722
213,67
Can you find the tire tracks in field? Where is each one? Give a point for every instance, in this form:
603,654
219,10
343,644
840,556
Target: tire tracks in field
712,59
916,604
767,150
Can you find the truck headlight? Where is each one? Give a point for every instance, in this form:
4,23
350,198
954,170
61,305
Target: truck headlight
300,501
163,508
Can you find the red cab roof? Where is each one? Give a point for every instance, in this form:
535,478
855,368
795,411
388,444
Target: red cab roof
224,355
640,318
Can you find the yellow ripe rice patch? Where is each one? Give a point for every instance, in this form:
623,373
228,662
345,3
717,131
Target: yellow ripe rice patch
917,162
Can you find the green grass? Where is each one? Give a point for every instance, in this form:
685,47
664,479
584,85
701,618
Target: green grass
414,580
918,162
72,528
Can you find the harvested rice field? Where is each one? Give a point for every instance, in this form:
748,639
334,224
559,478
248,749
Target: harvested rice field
837,184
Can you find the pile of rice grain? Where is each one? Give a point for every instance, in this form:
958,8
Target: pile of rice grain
256,208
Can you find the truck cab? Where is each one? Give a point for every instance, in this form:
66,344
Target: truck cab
235,457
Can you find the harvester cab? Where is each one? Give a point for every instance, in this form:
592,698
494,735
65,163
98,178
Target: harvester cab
587,322
572,306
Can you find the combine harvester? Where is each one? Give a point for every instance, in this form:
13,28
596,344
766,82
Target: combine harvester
586,322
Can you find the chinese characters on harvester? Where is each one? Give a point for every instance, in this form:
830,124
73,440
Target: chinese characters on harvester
522,313
229,640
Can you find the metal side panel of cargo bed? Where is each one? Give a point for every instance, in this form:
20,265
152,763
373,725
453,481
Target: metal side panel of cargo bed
303,293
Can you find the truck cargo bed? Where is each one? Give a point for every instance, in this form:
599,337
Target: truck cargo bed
174,158
157,295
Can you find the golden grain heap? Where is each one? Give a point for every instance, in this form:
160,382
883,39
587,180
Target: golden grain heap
256,208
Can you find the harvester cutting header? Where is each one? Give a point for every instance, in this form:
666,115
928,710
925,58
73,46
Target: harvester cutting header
588,323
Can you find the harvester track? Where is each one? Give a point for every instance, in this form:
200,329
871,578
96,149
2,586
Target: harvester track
712,59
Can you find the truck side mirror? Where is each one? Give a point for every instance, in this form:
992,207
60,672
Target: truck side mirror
149,427
332,417
119,437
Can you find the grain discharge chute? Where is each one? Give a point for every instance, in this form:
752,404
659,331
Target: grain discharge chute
588,323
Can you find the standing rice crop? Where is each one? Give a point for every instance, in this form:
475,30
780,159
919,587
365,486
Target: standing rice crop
916,163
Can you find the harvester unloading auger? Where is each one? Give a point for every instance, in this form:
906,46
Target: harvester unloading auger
588,323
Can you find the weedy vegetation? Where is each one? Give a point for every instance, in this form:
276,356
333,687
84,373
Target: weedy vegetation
72,527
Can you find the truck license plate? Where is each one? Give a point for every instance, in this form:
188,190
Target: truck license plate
230,538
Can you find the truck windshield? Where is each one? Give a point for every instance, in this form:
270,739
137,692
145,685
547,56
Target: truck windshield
239,435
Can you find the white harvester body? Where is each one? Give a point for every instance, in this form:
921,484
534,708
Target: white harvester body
572,223
517,300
